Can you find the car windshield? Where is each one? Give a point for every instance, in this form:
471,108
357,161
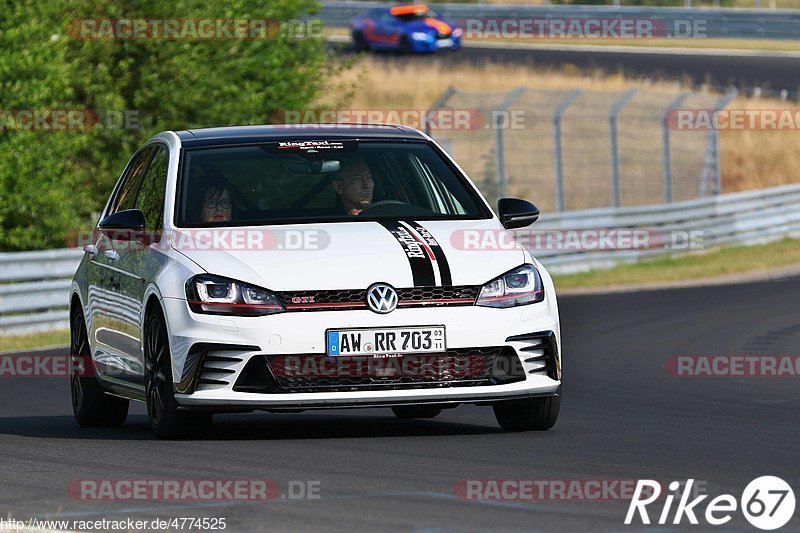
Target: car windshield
314,181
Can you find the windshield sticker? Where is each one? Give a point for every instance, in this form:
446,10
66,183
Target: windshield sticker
310,146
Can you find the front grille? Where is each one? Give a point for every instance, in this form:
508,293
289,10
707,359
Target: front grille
461,367
464,295
356,298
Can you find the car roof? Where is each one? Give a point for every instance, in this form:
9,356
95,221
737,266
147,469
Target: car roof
273,133
408,9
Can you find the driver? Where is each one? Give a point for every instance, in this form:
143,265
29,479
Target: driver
353,185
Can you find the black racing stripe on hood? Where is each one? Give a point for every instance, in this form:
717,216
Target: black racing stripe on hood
438,252
421,267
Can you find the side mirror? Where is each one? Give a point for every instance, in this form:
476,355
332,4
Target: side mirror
125,225
516,213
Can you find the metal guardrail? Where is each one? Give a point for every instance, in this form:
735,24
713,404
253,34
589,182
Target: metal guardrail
34,289
715,23
750,217
35,285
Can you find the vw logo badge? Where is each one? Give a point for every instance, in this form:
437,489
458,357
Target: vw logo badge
381,298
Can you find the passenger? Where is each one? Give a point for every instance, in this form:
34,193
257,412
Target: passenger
217,205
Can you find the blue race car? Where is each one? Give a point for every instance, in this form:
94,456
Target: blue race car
407,28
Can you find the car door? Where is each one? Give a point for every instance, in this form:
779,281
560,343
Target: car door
141,262
388,29
115,341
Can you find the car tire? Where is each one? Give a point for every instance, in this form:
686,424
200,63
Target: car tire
167,421
91,406
360,43
538,414
405,412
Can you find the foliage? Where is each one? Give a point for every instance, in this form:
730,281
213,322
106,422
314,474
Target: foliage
55,182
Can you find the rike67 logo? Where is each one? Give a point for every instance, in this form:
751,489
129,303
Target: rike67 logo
767,503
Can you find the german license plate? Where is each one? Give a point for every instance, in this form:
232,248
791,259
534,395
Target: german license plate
444,43
366,341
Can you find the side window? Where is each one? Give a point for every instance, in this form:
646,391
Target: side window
150,199
130,182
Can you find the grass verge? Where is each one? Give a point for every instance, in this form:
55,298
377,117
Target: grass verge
10,343
749,158
716,263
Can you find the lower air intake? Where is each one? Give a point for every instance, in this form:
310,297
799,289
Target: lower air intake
463,367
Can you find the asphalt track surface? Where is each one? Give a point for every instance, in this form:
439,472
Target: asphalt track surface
623,418
770,72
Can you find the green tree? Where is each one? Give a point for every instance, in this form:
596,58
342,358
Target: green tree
53,183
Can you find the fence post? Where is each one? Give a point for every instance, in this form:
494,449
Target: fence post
666,152
612,126
557,156
711,161
498,123
722,104
438,103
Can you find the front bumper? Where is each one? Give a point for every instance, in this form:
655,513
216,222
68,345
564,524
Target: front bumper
209,353
430,46
351,400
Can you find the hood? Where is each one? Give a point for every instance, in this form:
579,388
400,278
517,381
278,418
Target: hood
354,255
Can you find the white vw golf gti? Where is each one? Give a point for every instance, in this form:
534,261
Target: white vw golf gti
323,266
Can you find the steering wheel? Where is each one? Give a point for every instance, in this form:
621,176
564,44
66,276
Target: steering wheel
381,203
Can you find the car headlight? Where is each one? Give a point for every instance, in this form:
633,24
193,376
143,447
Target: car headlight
420,36
521,286
216,295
